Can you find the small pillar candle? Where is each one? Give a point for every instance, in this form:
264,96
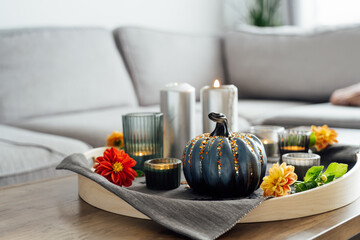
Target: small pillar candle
177,103
219,98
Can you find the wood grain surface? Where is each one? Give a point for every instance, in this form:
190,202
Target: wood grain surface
52,209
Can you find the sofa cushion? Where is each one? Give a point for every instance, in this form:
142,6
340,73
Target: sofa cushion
155,59
27,155
49,71
289,63
93,127
317,114
256,110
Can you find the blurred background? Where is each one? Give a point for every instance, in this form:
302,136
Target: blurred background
193,16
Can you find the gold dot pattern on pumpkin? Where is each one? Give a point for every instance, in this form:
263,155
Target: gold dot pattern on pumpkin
192,143
208,141
202,149
219,154
235,153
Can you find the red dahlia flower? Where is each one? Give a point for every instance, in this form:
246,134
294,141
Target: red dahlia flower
116,166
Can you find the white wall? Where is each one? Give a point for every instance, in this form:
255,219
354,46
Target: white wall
193,16
314,13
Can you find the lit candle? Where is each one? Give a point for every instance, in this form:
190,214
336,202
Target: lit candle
271,148
219,98
269,136
143,136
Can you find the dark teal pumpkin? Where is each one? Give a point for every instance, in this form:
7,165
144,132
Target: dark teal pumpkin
222,163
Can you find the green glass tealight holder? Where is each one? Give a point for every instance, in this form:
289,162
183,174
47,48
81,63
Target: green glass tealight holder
292,141
143,136
162,173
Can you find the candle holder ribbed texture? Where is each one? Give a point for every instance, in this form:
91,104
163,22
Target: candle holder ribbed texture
302,162
143,136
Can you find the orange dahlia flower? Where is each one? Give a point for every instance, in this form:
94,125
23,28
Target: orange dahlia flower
324,136
278,182
116,139
116,166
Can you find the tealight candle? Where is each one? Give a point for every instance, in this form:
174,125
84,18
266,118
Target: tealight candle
302,162
162,173
222,99
143,136
269,136
294,141
271,148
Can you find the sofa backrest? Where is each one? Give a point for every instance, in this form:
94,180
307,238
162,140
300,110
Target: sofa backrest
156,58
51,71
288,63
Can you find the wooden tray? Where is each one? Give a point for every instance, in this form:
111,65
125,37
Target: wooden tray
322,199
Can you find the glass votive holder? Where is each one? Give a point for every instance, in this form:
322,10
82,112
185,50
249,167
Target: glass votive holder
143,136
302,162
162,173
294,141
269,136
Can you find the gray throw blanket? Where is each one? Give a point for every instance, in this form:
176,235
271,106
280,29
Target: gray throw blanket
180,210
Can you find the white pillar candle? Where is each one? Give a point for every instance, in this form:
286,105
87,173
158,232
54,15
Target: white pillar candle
221,99
177,103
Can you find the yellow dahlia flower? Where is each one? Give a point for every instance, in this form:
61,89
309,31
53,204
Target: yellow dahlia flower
324,136
278,182
116,139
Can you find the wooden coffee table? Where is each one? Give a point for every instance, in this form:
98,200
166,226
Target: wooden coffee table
52,209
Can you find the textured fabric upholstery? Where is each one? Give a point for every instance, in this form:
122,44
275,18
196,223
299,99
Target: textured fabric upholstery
94,126
282,63
27,155
155,59
48,71
256,110
317,114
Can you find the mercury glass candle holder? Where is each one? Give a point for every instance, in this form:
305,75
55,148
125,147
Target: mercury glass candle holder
294,141
162,173
302,162
269,136
143,136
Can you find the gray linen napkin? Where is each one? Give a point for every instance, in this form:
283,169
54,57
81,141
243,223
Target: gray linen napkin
179,210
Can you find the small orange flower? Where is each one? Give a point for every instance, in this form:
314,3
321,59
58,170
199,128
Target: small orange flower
116,166
116,139
278,182
324,136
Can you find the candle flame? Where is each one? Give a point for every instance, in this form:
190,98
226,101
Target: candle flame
216,83
265,142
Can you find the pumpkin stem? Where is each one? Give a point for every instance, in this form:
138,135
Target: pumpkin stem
221,128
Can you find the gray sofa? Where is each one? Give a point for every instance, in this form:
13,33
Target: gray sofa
63,90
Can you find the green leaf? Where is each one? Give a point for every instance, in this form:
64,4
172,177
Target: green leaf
312,140
336,169
330,178
303,186
313,173
139,173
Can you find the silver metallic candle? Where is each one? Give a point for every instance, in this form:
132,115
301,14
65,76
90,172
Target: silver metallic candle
177,102
219,98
